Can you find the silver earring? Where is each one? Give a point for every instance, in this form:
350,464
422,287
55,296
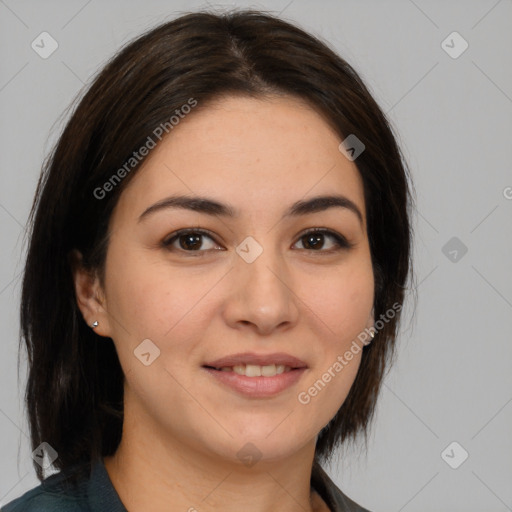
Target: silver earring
95,324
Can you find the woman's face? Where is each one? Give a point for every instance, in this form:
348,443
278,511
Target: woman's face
257,283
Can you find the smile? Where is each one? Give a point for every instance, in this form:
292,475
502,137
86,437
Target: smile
256,381
255,370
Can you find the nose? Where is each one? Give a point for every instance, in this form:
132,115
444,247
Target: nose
261,295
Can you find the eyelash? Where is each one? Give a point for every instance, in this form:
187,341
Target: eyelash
341,241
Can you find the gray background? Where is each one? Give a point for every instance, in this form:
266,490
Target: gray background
453,117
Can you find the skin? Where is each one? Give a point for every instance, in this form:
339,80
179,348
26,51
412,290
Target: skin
182,428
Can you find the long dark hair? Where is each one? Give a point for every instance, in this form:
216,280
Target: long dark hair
74,393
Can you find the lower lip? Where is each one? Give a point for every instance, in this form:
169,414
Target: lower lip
258,387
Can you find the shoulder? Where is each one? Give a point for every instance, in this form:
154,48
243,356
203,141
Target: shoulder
52,495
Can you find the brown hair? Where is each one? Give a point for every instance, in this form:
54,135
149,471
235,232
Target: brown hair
74,393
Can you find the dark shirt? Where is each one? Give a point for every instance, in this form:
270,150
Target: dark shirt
97,494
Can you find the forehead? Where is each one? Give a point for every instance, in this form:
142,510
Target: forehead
247,152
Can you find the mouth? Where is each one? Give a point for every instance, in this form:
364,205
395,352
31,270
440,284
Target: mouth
251,364
254,370
257,376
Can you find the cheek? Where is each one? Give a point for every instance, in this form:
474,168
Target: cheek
321,396
148,298
343,301
344,306
172,308
148,301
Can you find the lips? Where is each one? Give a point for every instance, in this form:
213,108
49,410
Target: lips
256,381
250,358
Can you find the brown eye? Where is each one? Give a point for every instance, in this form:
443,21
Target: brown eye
200,241
314,240
189,241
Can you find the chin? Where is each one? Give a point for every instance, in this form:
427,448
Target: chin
258,444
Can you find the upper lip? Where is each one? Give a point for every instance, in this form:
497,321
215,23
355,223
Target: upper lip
258,359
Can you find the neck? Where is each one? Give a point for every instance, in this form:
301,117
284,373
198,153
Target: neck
150,471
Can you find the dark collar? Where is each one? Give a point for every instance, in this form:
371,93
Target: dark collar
102,494
330,493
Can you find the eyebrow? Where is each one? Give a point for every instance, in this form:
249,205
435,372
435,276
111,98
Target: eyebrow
212,207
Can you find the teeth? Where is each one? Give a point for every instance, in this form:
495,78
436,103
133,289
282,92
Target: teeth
268,371
254,370
251,370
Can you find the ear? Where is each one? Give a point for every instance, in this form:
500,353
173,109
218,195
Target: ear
90,296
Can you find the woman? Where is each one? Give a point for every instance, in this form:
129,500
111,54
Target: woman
219,233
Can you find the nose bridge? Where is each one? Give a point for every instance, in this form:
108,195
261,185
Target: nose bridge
261,293
265,275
